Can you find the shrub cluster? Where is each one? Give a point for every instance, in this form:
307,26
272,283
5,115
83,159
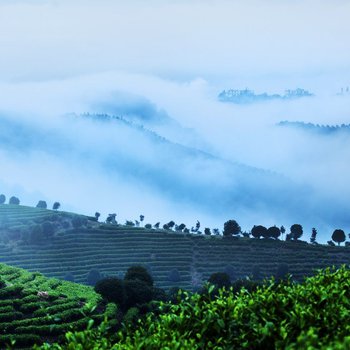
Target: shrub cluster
135,289
311,315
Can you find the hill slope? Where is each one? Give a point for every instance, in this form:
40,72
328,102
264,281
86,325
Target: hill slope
34,308
111,249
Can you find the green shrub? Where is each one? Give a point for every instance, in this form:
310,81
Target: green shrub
137,292
31,307
139,273
275,316
111,289
10,292
7,308
131,316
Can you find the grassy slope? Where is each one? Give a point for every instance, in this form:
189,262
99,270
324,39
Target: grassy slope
112,249
27,317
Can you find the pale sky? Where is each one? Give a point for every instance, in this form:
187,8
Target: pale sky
53,39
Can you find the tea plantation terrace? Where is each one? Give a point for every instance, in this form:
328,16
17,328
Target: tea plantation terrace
34,308
173,259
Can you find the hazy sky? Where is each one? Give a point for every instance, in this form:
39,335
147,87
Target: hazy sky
178,39
168,60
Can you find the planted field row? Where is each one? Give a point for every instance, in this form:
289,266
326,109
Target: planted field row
33,308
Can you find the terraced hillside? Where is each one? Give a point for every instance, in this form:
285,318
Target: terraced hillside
34,308
111,249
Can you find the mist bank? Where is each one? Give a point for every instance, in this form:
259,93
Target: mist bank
171,151
109,164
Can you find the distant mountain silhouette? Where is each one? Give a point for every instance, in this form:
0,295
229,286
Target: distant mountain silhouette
247,96
317,128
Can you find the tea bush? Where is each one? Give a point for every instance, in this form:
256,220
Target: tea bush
311,315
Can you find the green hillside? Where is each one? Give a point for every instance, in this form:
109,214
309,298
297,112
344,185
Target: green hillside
111,249
34,308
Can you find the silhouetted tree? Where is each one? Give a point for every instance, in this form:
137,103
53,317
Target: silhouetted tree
2,198
231,227
296,231
180,227
42,205
283,230
186,230
129,223
111,219
56,206
156,225
265,233
338,236
142,217
137,223
207,231
14,200
198,225
273,232
331,243
313,235
259,231
97,215
171,224
148,226
165,227
216,231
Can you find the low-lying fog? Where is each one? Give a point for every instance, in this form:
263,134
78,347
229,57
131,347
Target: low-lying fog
168,149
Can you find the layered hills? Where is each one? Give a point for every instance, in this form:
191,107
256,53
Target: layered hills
75,245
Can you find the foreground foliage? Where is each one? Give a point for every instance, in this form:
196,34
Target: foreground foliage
34,308
312,315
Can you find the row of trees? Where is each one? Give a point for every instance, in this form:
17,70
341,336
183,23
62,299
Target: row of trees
15,201
231,228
